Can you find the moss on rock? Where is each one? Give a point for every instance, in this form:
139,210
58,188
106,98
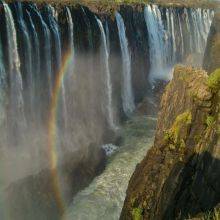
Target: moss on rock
137,214
210,121
214,81
177,133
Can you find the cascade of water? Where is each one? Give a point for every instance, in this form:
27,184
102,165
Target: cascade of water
166,37
3,86
47,66
107,36
15,79
188,29
35,61
127,90
158,53
57,39
201,26
27,56
181,35
55,34
89,27
173,36
108,77
71,50
70,33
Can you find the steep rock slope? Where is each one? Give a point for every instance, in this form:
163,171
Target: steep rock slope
180,175
212,54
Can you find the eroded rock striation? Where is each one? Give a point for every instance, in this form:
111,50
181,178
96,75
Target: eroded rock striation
180,176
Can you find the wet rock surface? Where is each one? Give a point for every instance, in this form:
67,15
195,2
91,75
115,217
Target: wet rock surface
180,175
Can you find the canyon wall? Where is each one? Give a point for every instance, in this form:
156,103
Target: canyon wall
179,176
68,77
212,54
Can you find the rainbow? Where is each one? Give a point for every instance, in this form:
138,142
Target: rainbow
52,129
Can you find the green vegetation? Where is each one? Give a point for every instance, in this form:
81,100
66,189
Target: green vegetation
97,4
210,121
214,81
178,129
137,214
176,135
212,215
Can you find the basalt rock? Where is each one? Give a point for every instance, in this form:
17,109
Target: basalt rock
212,54
180,177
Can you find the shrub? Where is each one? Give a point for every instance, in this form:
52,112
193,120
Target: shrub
214,81
137,214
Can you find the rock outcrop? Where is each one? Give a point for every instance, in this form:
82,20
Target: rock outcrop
212,54
180,176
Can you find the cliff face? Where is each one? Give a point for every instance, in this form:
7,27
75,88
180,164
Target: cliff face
180,175
212,54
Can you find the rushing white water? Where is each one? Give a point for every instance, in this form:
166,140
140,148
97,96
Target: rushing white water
127,90
108,82
27,53
169,43
16,85
35,65
58,57
71,38
181,35
104,198
158,52
47,51
70,69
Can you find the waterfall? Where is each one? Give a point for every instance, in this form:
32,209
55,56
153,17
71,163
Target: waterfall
127,91
181,35
88,24
26,66
65,74
171,40
35,64
3,86
70,33
47,65
158,53
17,118
71,50
108,77
57,61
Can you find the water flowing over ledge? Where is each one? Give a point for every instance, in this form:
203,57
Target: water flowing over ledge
70,77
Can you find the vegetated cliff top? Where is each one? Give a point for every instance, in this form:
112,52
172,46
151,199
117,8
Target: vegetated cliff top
109,5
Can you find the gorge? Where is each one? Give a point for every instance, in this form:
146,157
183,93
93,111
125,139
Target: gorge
73,83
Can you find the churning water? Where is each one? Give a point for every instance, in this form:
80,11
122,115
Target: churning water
104,198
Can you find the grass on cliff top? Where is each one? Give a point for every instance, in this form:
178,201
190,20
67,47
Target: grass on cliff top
115,3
